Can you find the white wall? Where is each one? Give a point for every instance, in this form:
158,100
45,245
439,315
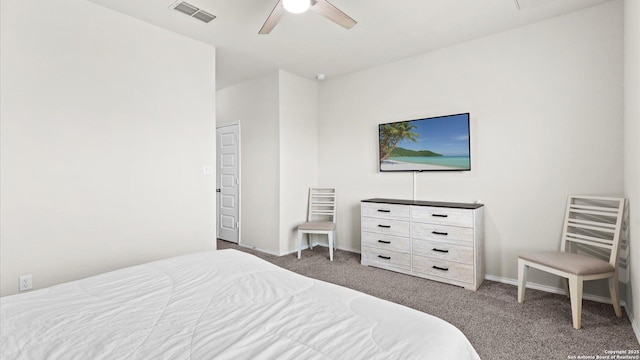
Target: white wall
278,117
254,103
298,153
106,123
546,110
632,142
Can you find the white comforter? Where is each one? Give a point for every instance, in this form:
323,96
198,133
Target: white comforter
217,305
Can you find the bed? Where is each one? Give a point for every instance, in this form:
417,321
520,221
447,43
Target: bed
223,304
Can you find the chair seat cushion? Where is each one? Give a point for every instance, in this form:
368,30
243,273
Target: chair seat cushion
569,262
317,226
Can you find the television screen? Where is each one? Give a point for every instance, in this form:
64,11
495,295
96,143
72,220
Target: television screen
431,144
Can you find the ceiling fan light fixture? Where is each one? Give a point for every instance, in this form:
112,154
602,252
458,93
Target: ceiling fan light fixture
296,6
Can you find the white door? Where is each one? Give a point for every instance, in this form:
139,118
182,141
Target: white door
228,182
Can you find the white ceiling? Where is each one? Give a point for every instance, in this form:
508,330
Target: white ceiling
307,44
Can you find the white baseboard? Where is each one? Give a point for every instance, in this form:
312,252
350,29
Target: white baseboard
555,290
295,251
634,325
259,249
305,247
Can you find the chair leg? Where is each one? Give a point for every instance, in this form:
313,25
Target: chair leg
330,246
615,294
335,239
299,243
575,291
565,283
522,279
310,240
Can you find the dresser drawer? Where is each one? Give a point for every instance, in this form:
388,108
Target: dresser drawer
386,242
443,251
445,269
440,241
386,211
385,226
442,232
444,216
386,259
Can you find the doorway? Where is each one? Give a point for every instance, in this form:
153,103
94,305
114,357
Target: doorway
228,182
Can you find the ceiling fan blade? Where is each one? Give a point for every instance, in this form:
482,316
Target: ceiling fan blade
326,9
273,19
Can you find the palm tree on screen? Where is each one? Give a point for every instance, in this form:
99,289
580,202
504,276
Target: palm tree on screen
392,134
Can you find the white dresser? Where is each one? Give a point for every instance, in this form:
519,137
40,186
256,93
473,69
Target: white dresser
435,240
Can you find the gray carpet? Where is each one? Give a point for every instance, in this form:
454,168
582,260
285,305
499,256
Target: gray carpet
493,321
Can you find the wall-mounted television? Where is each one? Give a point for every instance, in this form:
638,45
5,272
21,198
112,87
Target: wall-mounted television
431,144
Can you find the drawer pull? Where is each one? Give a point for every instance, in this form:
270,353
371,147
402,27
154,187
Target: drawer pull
385,226
440,268
440,215
440,233
384,210
384,241
384,257
439,250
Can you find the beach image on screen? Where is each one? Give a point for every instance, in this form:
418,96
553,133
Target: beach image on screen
440,143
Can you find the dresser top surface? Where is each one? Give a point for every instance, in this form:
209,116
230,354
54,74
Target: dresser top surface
425,203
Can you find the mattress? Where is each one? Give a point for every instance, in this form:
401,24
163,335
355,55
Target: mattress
222,304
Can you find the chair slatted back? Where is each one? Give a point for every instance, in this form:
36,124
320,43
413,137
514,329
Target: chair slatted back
322,204
593,225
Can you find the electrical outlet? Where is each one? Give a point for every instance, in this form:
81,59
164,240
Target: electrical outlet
25,282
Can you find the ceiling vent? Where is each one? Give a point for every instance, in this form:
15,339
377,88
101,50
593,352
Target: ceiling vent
193,11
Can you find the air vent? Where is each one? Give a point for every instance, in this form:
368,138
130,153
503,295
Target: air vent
193,11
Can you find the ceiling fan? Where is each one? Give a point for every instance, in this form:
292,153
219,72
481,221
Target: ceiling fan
322,7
